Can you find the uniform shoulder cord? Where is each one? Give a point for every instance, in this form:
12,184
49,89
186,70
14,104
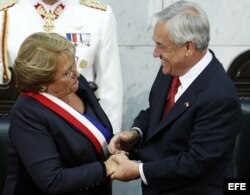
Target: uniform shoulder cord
6,71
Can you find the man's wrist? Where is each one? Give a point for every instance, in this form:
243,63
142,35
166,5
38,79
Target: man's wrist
138,133
142,174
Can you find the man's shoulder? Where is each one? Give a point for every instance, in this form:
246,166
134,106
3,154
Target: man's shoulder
7,4
94,4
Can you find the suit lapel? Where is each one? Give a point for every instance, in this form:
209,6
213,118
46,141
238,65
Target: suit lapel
185,102
159,99
85,91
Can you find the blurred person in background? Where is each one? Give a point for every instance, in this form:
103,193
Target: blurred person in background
89,25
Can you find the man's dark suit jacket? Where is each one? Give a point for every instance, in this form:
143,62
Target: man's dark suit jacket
48,155
190,150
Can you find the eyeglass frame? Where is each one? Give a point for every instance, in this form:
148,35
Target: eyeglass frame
74,68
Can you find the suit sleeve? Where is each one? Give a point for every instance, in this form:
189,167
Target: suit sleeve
39,154
108,72
211,142
142,119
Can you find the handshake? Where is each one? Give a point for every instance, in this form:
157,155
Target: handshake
118,166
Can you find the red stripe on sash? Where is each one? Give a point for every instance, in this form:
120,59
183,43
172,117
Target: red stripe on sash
67,116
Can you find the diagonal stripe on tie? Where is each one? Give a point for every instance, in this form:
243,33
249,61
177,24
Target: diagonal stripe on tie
173,90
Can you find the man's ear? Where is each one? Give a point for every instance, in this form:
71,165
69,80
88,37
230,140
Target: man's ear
190,47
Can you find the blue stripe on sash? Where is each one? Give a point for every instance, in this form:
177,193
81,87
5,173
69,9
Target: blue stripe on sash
100,127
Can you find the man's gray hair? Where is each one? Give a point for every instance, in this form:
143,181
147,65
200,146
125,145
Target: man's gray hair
186,21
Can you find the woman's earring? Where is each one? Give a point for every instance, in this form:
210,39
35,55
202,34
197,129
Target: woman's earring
42,90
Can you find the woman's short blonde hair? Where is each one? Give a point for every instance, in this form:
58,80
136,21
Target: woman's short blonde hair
39,59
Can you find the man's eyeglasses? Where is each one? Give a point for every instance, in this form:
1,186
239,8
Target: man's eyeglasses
73,69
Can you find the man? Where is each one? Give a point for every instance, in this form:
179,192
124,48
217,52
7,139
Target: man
90,25
188,148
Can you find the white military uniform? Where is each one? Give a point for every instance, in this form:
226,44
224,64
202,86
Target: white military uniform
91,26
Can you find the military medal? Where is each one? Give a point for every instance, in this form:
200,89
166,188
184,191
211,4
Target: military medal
83,63
49,17
49,24
79,39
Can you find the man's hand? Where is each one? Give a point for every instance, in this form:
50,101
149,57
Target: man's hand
126,169
112,165
123,141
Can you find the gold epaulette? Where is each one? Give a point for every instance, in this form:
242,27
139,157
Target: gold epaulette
94,4
7,4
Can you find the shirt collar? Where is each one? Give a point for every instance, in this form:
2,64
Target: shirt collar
49,7
191,75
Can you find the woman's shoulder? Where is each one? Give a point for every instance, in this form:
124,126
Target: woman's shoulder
26,106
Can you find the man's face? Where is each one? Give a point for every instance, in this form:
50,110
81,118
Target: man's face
171,55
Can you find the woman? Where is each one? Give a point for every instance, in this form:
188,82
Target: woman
58,131
93,38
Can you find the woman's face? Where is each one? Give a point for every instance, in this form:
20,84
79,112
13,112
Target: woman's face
65,81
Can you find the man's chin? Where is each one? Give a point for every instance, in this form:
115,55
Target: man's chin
165,71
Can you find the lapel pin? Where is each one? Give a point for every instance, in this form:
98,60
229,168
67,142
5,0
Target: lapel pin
186,104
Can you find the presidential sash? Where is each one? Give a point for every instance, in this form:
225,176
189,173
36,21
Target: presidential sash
99,136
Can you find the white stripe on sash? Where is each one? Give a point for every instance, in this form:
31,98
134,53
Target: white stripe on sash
78,116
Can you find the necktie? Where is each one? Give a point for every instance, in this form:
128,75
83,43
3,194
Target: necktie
173,90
